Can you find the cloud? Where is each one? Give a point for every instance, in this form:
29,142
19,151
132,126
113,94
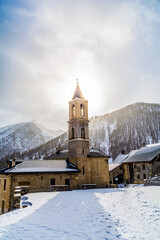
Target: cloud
111,46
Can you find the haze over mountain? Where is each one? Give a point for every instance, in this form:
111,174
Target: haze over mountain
18,138
125,129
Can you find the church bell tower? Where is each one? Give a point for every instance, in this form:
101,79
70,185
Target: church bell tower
78,124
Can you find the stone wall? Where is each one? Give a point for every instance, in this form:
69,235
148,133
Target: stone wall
5,193
94,170
141,171
41,182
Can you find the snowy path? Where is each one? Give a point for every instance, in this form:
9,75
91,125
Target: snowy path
131,213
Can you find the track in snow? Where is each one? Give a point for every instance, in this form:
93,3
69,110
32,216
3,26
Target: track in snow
132,213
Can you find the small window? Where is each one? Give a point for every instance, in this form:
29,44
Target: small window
66,181
144,176
82,110
41,178
60,177
73,111
3,204
83,151
120,168
72,133
83,170
143,166
138,176
82,133
26,183
52,181
5,183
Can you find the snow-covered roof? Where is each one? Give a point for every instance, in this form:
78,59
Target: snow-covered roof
64,154
96,153
37,166
120,158
144,154
112,166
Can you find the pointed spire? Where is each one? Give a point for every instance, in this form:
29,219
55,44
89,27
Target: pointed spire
77,92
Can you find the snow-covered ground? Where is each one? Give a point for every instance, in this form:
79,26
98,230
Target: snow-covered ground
127,213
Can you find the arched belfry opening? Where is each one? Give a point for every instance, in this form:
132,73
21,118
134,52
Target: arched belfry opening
73,110
82,110
72,133
83,133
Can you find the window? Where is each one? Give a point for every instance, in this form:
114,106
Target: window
82,132
138,176
66,181
52,181
72,133
73,111
83,151
143,166
26,183
3,203
144,176
83,170
82,110
5,183
60,177
41,178
120,168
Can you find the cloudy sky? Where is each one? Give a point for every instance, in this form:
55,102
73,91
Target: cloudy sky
112,47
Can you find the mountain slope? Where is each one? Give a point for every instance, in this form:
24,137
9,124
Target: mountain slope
124,129
22,137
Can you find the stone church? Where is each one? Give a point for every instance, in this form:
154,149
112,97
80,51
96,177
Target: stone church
79,167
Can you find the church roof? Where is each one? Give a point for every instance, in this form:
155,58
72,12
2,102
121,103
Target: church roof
64,154
77,93
93,152
42,166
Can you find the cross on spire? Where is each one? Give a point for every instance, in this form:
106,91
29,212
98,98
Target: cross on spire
77,80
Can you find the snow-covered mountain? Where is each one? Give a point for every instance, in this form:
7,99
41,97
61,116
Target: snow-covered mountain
18,138
124,129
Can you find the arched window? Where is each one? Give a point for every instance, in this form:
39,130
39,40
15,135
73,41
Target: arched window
138,176
82,132
82,110
72,133
73,110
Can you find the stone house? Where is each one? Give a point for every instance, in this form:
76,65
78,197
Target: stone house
143,164
79,167
137,166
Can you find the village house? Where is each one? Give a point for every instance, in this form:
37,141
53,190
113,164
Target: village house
137,166
79,167
143,164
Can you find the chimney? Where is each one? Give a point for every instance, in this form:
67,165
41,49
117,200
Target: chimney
123,151
13,162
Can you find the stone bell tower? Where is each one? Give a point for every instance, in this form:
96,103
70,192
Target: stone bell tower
78,124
